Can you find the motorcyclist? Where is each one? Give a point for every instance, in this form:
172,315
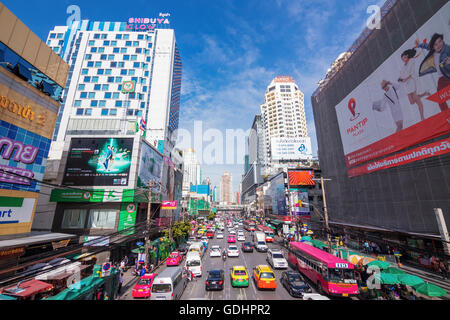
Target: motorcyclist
224,254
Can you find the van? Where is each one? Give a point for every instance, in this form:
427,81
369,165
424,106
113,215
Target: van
260,243
169,285
194,263
197,247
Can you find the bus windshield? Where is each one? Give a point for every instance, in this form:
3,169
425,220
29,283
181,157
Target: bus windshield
341,275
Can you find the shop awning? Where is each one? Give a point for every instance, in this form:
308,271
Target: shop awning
5,297
276,222
28,288
34,238
79,289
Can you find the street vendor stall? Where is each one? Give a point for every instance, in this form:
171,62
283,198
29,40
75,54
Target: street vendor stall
29,290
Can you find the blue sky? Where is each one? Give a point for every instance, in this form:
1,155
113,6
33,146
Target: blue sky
231,50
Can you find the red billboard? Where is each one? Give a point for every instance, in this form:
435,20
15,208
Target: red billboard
301,178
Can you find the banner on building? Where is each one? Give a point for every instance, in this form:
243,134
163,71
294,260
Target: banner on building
291,148
404,102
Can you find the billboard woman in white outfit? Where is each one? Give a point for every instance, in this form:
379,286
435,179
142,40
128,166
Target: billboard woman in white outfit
409,81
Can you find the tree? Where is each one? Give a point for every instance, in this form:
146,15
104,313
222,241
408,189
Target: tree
211,216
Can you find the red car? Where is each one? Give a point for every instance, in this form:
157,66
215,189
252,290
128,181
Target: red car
174,259
210,234
143,288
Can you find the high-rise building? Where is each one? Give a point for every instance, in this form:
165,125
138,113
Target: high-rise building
118,77
226,193
192,173
282,114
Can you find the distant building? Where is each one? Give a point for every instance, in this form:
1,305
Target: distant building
226,193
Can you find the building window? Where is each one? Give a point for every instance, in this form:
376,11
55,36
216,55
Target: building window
123,50
103,57
138,50
115,95
94,103
77,103
126,57
135,43
74,219
123,72
101,50
126,36
113,64
131,72
140,37
107,95
107,71
91,95
100,71
121,64
87,79
83,95
113,112
97,87
110,57
104,112
118,103
105,87
90,64
104,36
80,112
102,103
88,57
97,36
84,71
133,57
113,43
88,112
142,105
118,79
128,43
110,79
136,64
52,35
94,79
116,50
98,64
91,42
106,43
93,49
118,36
81,87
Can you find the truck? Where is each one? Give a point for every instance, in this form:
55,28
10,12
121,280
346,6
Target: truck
260,241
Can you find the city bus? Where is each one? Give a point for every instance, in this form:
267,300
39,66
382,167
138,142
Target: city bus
249,225
332,275
268,231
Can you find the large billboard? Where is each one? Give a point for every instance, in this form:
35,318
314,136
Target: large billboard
301,178
404,102
291,148
299,202
98,162
200,189
275,197
149,166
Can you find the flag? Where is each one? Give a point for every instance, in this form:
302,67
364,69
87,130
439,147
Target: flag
141,126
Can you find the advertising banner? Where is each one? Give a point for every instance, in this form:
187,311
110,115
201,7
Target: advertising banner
23,156
168,205
299,201
291,148
301,178
404,102
98,162
275,197
96,241
150,165
127,218
427,151
16,210
200,189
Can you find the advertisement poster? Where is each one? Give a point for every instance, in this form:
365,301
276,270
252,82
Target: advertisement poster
291,148
299,201
98,162
404,102
150,166
127,218
23,156
275,198
301,178
168,179
178,192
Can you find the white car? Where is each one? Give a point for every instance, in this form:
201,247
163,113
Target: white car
314,296
241,237
219,236
215,251
276,260
231,231
233,251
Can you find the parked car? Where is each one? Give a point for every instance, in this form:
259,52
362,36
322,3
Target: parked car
174,259
238,276
247,247
295,284
142,289
214,280
232,251
264,277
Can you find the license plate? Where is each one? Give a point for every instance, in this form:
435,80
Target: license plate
345,294
140,290
267,282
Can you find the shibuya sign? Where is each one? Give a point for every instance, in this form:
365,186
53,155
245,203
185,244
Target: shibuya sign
147,23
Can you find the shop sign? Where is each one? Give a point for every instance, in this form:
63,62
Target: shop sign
60,244
16,210
11,253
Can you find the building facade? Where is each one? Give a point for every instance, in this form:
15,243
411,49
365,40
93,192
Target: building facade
384,182
192,174
226,193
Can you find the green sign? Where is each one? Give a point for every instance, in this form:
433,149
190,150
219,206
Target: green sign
127,217
68,195
128,86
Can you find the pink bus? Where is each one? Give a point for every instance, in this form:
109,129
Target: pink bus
332,275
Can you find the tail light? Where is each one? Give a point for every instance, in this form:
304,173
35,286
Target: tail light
207,282
172,295
220,282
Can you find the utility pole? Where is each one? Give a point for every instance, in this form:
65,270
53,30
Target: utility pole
147,236
443,230
327,228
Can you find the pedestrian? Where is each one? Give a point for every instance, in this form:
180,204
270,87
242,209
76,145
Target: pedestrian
120,282
122,266
366,247
143,271
443,269
125,260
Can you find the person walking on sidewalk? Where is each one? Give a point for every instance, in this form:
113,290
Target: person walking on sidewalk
443,269
120,282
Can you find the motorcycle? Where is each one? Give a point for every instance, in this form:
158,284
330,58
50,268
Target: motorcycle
224,256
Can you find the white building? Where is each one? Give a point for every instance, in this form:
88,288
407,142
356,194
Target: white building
283,115
192,173
102,55
226,190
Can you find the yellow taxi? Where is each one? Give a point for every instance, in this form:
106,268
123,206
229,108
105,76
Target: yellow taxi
239,276
264,277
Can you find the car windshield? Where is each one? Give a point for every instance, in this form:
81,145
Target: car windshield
215,249
232,248
261,242
277,256
161,287
240,272
173,255
144,282
193,263
267,275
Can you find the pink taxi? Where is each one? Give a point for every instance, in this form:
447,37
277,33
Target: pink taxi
231,239
142,289
174,259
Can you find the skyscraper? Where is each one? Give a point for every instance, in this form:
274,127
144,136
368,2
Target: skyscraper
102,57
191,170
282,113
226,193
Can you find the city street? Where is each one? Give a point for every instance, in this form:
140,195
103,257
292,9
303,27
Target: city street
196,288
